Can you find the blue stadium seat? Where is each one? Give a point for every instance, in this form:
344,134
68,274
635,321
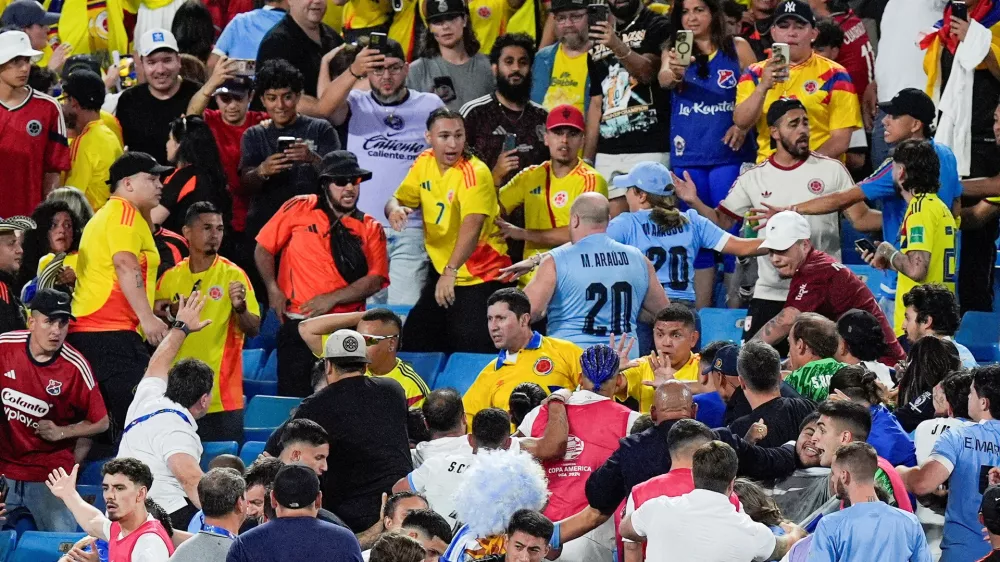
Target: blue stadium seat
8,540
401,310
266,413
871,276
269,371
267,337
256,388
253,360
427,365
251,450
257,433
721,324
90,472
265,379
462,369
216,448
94,495
38,546
980,332
848,235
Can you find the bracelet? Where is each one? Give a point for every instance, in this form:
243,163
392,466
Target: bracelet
892,257
625,56
455,269
356,77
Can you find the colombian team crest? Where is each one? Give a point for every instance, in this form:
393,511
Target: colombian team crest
54,388
543,366
484,12
810,87
816,186
727,79
215,292
560,199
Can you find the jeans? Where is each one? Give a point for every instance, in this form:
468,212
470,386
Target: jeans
408,266
880,148
49,512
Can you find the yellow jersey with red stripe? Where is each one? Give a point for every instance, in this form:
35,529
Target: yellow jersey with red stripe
362,14
91,156
98,301
403,28
445,200
551,363
220,344
547,199
824,88
644,394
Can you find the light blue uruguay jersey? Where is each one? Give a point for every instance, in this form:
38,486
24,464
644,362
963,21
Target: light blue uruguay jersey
968,453
600,287
672,251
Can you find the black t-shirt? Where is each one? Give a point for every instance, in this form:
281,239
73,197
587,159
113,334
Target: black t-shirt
915,411
145,119
187,186
782,417
172,248
758,35
288,41
369,448
488,122
738,406
11,312
635,117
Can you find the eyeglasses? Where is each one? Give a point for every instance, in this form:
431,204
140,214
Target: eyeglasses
572,18
375,340
344,182
230,98
395,69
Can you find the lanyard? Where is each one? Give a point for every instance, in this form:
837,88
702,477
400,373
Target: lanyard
141,419
212,529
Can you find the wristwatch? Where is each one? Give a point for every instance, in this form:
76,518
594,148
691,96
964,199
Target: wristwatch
178,325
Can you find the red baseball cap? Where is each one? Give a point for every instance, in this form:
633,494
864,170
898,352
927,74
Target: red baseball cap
565,116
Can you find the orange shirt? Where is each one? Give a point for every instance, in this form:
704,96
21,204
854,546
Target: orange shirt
300,230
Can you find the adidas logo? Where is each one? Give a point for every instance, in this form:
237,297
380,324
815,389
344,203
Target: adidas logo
765,194
10,374
426,185
500,130
537,191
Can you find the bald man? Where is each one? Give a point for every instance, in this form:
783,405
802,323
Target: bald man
593,286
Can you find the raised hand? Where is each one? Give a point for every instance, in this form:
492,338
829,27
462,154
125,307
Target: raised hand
62,485
189,311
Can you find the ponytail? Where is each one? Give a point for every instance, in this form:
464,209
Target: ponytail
664,211
858,383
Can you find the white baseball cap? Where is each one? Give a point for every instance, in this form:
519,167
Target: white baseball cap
785,229
346,346
156,39
15,44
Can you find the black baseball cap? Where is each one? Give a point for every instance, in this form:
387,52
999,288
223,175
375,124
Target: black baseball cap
236,86
25,13
860,329
296,486
780,107
342,164
86,87
132,163
990,509
797,9
445,9
912,102
52,303
725,360
564,5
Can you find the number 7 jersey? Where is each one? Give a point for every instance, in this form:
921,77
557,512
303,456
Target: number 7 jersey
600,287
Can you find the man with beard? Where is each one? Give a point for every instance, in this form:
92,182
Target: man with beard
385,128
96,146
493,118
627,107
802,176
146,110
559,74
333,257
233,309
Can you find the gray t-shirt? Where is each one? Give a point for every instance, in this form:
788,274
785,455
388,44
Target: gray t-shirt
202,547
455,84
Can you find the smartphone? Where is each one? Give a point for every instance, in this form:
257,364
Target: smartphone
509,142
284,143
244,67
683,46
960,10
780,53
377,41
597,12
865,244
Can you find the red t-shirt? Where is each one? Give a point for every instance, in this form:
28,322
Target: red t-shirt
856,54
228,138
62,391
827,287
32,143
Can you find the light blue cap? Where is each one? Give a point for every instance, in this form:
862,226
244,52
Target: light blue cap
651,177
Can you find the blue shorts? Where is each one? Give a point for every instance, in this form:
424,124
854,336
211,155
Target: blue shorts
713,184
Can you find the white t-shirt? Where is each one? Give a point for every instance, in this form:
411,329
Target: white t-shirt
900,62
148,547
159,437
881,371
929,431
783,187
440,446
701,525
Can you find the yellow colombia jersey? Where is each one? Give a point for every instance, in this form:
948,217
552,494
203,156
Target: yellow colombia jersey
551,363
644,393
68,261
96,27
569,81
220,344
403,28
547,199
98,301
489,21
525,19
362,14
928,226
824,88
334,16
91,156
445,200
415,388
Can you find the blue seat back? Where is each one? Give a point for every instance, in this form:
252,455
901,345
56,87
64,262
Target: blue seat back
871,276
253,360
255,388
213,449
269,370
427,365
462,369
721,324
401,310
90,472
980,332
94,495
269,411
38,546
267,337
8,540
251,450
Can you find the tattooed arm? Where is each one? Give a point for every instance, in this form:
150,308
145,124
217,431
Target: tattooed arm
911,264
133,286
778,327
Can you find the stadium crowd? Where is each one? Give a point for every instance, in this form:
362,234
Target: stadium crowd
699,270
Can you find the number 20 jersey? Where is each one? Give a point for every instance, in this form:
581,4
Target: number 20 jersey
600,287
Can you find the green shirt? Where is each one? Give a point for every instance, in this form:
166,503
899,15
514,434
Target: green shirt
812,380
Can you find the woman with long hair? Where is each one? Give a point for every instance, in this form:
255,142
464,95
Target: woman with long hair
198,177
858,384
76,200
704,141
194,30
450,64
58,232
930,360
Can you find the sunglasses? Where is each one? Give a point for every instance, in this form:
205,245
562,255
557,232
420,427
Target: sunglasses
375,340
343,182
230,98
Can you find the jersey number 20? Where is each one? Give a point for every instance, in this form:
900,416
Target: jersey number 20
621,308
